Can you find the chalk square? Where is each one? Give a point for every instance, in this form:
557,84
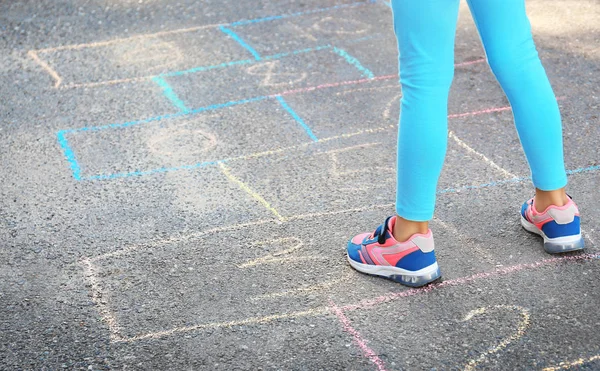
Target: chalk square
338,109
267,77
350,172
140,57
216,277
336,25
183,141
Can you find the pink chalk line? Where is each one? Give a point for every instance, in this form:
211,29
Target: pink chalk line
358,339
354,82
489,110
464,280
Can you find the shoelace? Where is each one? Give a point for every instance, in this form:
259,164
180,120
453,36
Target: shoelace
380,231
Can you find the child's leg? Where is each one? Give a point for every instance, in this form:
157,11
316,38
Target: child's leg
425,30
506,34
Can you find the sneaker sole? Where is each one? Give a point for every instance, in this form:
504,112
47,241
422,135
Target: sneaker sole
409,278
555,245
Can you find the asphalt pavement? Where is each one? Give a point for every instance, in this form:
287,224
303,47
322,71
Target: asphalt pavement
179,180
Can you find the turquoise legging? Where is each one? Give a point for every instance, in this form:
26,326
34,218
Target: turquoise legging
425,30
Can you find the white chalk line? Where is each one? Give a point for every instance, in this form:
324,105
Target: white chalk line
489,162
524,323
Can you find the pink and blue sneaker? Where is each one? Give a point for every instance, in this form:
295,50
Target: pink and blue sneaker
411,263
558,226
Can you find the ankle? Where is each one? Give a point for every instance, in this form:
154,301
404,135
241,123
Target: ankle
544,199
404,229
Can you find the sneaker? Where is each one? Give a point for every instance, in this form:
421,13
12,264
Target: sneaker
411,263
558,226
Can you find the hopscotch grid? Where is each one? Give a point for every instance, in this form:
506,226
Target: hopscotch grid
226,160
172,97
74,165
117,337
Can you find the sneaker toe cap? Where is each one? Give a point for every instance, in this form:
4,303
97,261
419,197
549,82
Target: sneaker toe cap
353,251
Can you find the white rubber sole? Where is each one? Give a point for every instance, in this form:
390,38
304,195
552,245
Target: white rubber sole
555,245
405,277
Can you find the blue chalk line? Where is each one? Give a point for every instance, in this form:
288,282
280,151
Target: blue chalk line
239,40
152,171
170,94
297,118
68,152
354,62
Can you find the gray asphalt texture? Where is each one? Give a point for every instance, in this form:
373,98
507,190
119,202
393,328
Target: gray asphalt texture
205,229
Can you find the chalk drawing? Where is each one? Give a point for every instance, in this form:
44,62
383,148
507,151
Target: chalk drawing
229,32
168,92
267,72
134,38
168,141
498,272
151,58
306,12
329,26
302,32
589,236
520,331
298,119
